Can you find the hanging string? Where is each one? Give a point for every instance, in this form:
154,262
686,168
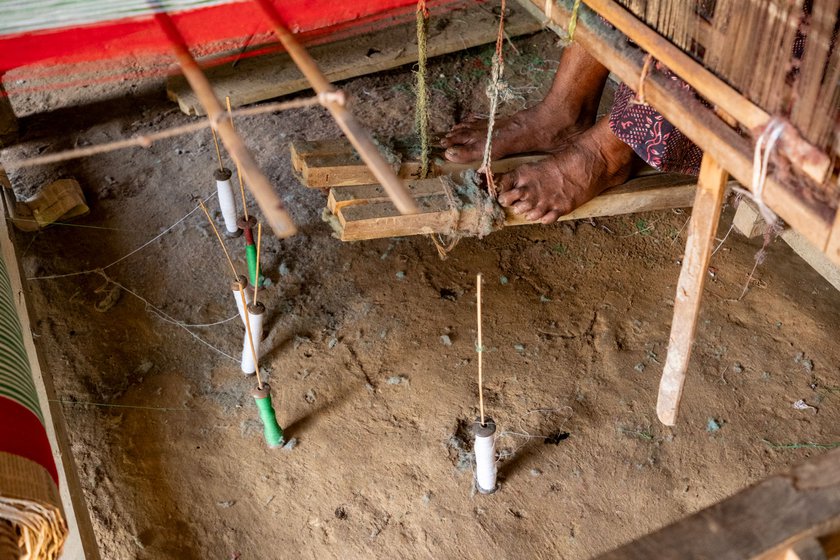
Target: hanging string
119,260
169,318
421,109
640,91
573,20
493,92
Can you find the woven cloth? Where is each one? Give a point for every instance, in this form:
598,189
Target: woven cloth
29,498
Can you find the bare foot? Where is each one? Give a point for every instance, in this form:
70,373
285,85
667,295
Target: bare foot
551,188
537,129
569,108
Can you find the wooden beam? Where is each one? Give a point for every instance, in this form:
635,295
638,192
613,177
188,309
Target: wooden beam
374,219
758,523
697,122
274,75
711,187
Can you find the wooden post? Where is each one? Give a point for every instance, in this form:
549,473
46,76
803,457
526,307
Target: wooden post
711,186
259,185
357,135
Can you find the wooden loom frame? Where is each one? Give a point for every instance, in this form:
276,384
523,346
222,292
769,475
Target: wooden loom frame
725,153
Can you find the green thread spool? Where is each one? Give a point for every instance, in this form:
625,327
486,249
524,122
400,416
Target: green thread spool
273,431
251,256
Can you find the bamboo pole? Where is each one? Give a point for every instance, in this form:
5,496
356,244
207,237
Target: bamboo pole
268,201
357,135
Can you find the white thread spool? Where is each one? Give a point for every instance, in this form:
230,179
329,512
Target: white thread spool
238,288
256,312
226,201
484,447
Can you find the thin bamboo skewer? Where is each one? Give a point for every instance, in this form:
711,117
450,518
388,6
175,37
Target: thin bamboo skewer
257,283
218,151
479,348
250,339
236,162
263,192
357,135
219,237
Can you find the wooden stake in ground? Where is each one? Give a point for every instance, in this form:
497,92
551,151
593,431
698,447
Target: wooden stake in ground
711,187
357,135
279,220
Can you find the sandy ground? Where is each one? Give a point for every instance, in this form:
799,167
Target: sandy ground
370,350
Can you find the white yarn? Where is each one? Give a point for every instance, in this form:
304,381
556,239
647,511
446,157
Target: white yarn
238,299
485,462
256,323
227,204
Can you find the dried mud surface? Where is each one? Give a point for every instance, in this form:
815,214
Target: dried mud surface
370,351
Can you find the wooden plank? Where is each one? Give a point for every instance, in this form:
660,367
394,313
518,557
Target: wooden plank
333,164
266,77
380,219
760,522
711,187
696,121
81,542
342,197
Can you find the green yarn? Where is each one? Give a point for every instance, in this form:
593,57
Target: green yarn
251,256
273,431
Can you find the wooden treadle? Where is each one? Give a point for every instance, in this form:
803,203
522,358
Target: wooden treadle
361,210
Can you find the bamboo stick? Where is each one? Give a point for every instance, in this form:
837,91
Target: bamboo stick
357,135
268,201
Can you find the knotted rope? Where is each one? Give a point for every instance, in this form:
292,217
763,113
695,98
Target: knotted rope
421,109
493,92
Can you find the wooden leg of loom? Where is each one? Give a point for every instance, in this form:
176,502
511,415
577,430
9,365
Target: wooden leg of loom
711,187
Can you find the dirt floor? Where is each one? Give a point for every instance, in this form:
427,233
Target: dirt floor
371,355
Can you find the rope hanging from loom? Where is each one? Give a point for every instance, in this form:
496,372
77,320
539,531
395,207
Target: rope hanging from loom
421,108
494,92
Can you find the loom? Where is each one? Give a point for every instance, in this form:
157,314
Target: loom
762,70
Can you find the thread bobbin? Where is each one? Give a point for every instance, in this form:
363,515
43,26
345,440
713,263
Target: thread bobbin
254,329
240,282
486,431
225,191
